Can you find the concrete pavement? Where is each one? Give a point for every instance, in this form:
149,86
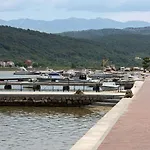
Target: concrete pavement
132,130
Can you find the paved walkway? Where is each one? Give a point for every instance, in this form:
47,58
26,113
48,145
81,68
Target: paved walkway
132,130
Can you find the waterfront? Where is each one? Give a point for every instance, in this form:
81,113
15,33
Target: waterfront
31,128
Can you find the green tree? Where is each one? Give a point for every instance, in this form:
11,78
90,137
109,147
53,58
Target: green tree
146,63
35,65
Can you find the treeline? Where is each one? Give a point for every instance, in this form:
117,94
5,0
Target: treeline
98,34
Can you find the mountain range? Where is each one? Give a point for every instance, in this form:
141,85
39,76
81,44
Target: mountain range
71,24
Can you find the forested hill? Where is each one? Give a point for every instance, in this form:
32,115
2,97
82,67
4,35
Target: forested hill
98,34
95,34
55,50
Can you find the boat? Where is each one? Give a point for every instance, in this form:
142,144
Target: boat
109,86
51,77
24,71
98,74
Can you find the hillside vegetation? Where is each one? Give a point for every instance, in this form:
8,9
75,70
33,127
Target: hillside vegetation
98,34
55,50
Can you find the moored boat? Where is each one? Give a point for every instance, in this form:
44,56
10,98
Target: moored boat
24,71
109,86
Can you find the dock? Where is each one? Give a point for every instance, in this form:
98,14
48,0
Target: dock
63,86
53,99
15,79
64,95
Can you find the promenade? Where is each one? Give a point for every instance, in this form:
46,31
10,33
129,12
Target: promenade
132,130
125,127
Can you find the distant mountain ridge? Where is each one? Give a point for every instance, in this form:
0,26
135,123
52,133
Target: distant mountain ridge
71,24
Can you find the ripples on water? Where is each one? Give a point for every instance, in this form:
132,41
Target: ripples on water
44,128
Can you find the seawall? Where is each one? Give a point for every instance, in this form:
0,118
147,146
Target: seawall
53,99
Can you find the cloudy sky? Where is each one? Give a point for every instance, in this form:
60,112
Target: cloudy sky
121,10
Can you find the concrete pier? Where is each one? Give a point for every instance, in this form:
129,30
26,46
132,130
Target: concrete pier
22,98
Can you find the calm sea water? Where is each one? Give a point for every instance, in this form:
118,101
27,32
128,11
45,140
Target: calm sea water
45,128
42,128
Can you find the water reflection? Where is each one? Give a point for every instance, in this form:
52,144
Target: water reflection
42,111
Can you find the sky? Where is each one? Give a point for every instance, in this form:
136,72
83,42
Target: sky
120,10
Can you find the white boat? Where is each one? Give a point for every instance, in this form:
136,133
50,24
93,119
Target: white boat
53,76
98,74
24,71
109,86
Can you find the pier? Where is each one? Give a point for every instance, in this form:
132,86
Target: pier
22,98
65,95
65,85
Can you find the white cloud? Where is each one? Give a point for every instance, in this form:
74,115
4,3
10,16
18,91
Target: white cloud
6,5
107,5
76,5
93,5
129,16
11,5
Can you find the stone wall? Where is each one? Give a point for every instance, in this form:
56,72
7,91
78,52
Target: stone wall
50,100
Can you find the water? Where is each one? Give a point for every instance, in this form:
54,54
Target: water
45,128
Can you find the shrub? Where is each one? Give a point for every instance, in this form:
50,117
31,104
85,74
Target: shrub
79,92
128,94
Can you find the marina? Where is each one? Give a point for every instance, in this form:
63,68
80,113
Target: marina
28,91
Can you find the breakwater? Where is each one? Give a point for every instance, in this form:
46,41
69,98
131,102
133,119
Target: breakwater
57,99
